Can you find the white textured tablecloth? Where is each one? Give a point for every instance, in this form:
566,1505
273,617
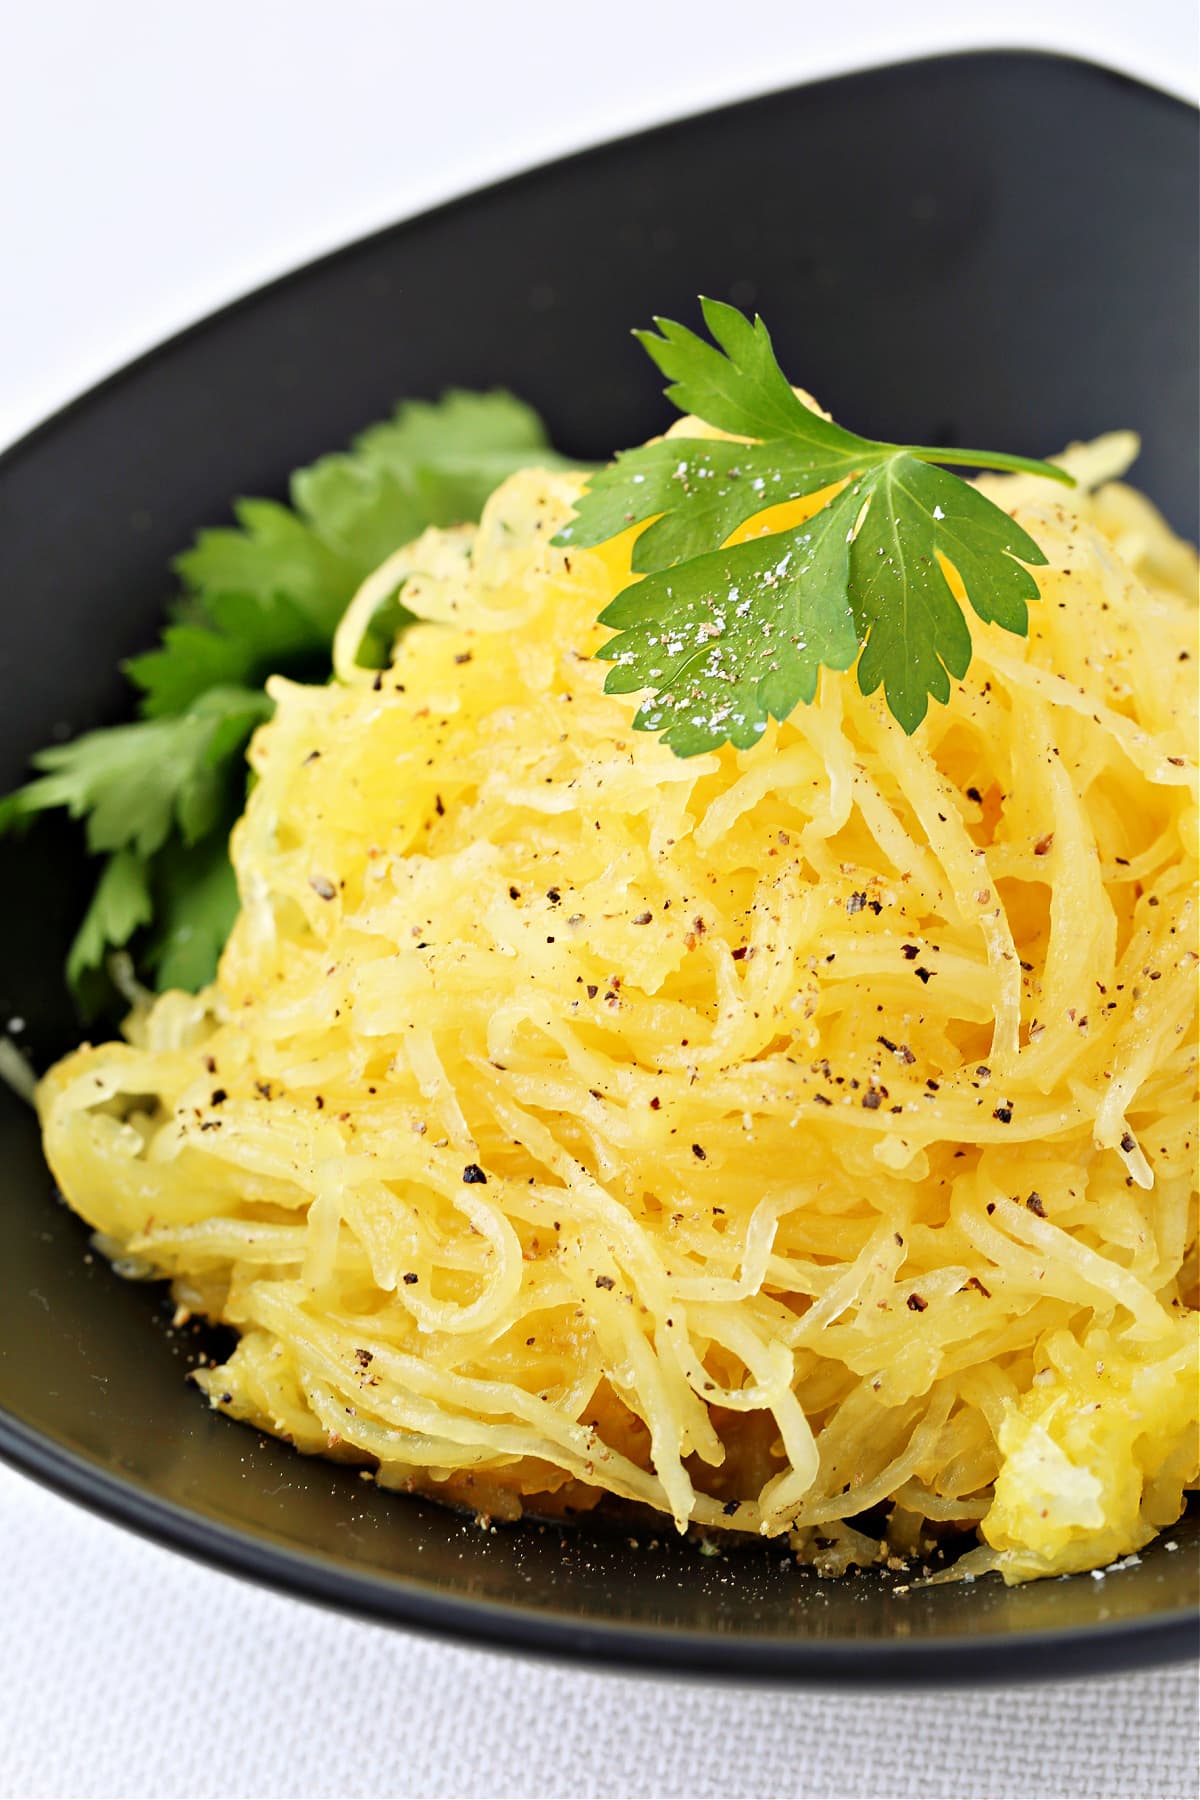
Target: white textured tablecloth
157,160
126,1670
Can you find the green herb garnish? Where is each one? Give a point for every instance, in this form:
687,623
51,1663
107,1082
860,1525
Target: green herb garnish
729,636
159,796
726,635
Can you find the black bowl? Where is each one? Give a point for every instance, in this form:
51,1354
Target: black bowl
998,248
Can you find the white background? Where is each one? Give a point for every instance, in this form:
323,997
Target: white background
156,159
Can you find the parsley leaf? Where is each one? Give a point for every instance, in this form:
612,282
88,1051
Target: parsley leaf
159,795
389,617
265,597
708,634
195,903
233,640
272,551
740,386
730,635
119,905
134,783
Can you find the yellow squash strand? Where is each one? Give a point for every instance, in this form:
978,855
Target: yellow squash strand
759,1137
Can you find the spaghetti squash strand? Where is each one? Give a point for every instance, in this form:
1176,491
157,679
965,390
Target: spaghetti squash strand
759,1138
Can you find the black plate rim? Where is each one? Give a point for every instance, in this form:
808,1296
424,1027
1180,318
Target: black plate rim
1011,53
1162,1638
958,1661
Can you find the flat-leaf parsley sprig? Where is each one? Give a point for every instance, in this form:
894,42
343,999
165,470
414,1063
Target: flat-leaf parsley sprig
158,795
728,636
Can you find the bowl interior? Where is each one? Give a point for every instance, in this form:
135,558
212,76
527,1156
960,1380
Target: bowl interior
992,248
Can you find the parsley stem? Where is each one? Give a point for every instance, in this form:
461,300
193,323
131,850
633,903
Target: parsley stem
991,459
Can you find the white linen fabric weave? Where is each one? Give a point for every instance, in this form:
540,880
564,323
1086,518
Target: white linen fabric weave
128,1671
